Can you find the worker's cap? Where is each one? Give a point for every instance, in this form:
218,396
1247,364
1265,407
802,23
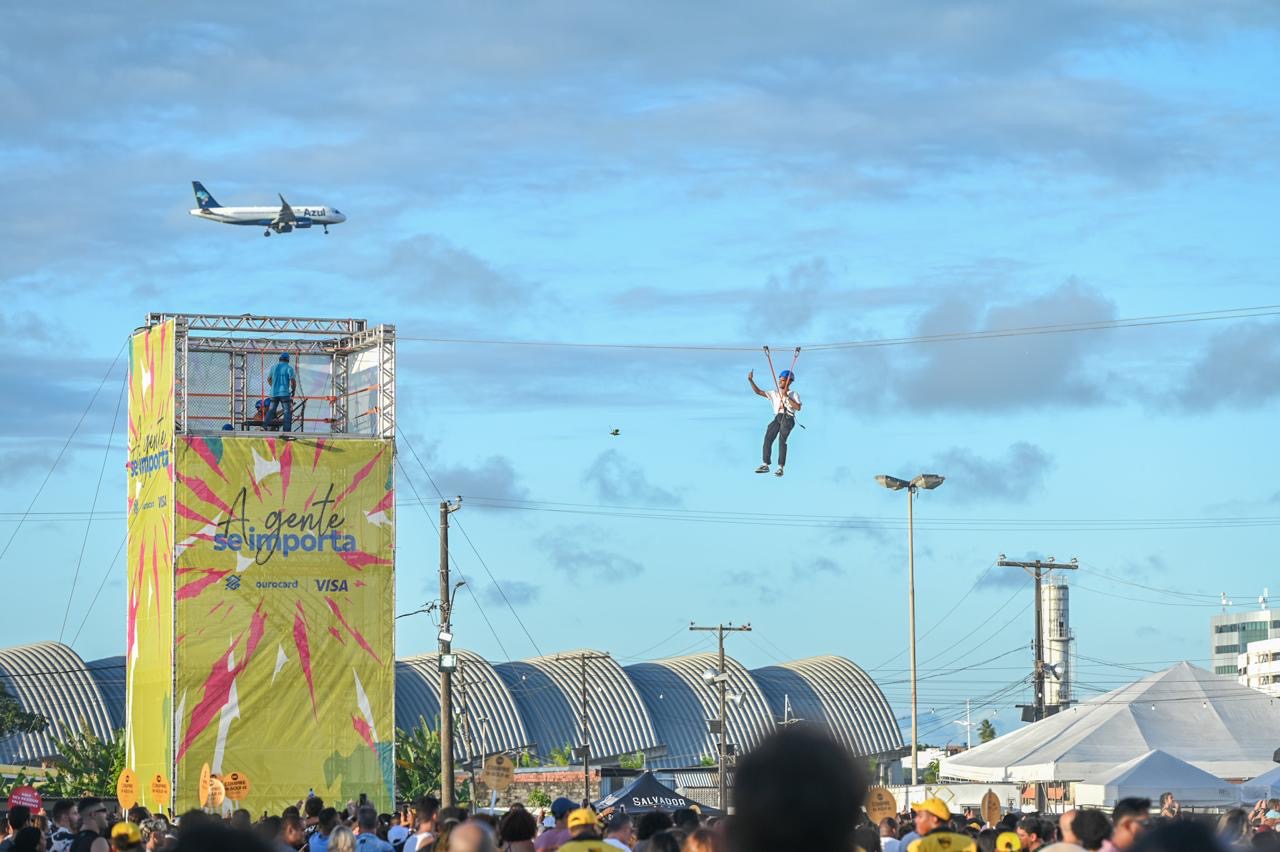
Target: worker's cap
1007,841
125,833
284,356
581,817
976,826
934,806
561,806
787,374
1271,815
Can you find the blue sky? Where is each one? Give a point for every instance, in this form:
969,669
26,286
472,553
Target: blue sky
756,174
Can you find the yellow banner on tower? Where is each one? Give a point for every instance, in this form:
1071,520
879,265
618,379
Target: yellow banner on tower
149,568
285,617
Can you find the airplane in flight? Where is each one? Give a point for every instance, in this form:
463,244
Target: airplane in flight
282,220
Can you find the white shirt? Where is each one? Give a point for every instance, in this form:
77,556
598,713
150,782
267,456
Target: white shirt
890,844
613,841
792,399
426,838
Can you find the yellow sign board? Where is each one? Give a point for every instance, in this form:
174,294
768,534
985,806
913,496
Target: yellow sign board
880,804
991,807
202,786
236,785
127,789
217,793
498,773
160,790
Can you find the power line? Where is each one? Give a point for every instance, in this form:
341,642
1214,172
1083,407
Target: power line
474,597
63,450
84,541
470,543
946,337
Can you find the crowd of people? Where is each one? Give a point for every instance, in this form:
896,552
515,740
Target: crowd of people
798,790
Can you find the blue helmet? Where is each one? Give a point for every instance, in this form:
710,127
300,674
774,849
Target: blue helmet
787,374
284,356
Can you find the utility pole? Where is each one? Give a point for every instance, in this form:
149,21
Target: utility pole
1038,569
447,662
721,679
584,751
968,726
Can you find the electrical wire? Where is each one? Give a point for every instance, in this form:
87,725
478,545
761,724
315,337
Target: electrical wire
474,597
63,450
93,507
471,544
946,337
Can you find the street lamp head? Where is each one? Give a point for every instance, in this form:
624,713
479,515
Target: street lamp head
927,481
893,483
710,675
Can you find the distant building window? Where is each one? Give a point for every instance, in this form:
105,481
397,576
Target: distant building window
1226,628
1227,649
1275,625
1225,670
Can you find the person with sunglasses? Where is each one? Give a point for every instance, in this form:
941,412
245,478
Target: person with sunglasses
92,836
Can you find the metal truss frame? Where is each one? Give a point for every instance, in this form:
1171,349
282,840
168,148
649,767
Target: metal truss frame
346,337
249,323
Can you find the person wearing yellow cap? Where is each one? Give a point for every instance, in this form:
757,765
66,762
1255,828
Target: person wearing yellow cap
584,833
126,836
933,817
1008,841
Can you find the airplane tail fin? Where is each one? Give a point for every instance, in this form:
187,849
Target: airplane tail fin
203,198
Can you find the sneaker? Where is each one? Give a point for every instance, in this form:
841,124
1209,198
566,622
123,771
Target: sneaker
778,472
764,468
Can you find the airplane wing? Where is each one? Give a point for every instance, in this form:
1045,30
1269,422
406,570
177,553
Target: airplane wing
286,212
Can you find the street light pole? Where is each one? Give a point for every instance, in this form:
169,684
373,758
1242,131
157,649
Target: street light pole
721,680
927,481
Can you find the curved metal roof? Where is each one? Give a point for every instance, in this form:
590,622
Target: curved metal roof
497,724
835,691
108,673
530,704
680,703
50,679
549,692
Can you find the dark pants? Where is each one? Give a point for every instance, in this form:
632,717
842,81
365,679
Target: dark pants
779,427
287,403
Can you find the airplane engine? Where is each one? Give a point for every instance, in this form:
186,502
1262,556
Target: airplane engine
282,227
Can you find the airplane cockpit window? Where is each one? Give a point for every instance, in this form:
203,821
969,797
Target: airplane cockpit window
337,211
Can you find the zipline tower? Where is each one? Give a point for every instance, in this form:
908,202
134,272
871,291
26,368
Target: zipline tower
261,576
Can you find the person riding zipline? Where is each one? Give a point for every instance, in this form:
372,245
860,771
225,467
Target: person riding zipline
785,405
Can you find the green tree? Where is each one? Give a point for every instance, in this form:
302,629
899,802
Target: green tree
15,720
930,773
706,760
539,798
562,756
986,731
417,761
632,761
88,765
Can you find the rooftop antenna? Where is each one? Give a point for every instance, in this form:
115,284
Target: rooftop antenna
1226,602
1262,600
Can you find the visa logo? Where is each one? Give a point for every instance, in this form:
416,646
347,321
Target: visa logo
330,585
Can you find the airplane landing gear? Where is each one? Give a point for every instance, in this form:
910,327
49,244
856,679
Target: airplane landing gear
267,232
326,229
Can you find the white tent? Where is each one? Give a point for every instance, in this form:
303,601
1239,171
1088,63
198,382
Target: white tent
1155,773
1264,786
1211,722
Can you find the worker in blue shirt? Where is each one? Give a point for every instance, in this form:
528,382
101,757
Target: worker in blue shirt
284,384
